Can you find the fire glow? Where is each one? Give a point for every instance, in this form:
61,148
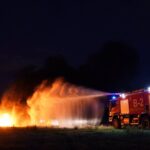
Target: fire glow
59,104
6,120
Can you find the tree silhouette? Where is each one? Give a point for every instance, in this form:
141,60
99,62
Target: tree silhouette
111,68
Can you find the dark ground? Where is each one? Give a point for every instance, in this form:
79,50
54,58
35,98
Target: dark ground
71,139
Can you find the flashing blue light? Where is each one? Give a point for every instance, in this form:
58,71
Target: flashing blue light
114,97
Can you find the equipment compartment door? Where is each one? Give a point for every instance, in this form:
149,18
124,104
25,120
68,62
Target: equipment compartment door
124,106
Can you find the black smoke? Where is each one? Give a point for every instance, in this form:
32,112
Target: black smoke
111,68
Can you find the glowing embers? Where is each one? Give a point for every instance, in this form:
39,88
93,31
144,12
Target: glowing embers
6,120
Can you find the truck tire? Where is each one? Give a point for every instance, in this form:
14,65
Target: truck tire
145,123
116,123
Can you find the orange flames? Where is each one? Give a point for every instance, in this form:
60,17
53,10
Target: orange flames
59,104
13,113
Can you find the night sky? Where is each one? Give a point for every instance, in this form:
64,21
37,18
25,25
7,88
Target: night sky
31,31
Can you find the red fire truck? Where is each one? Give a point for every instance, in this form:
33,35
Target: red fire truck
131,109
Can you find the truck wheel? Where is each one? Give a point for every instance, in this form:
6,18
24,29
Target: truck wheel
145,123
116,123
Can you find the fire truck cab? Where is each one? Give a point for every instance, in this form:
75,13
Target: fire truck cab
131,109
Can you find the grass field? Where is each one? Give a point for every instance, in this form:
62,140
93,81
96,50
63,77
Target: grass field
71,139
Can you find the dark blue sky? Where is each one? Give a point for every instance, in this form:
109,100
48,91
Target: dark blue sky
31,31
